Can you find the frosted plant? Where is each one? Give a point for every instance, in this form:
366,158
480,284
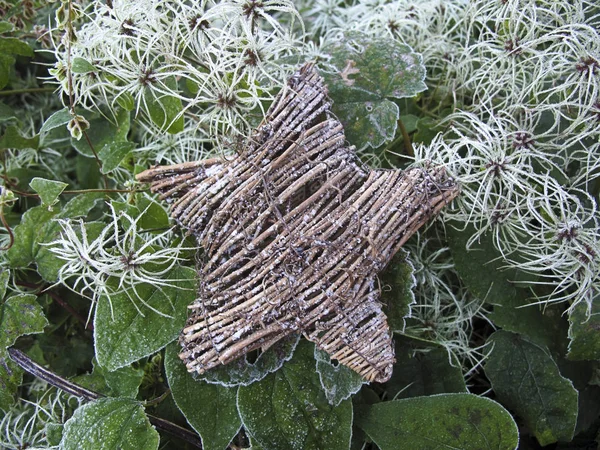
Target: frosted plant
119,259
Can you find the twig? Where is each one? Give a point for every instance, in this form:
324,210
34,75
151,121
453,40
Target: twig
29,365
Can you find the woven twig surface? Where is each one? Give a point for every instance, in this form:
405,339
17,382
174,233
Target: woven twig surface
295,230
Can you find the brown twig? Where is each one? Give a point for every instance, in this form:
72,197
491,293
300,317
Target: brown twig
35,369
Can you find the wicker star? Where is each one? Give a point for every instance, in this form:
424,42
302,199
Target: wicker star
295,230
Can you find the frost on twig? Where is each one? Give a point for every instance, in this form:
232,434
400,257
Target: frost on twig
295,230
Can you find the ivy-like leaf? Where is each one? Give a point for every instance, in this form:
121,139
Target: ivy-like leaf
288,409
48,190
526,379
165,110
367,71
113,153
210,409
584,332
123,335
457,421
123,382
397,282
19,315
338,381
80,65
108,424
6,27
14,46
58,119
423,369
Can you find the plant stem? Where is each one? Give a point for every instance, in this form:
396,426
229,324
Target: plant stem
25,91
29,365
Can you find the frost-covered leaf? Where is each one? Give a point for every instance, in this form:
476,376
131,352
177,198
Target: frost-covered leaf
365,71
422,369
126,330
48,190
6,64
109,424
113,153
288,409
13,139
210,409
338,381
103,132
19,315
165,110
58,119
14,46
243,372
22,252
526,379
80,65
448,421
397,282
584,331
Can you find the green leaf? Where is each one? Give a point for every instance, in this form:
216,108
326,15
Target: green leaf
14,46
526,379
243,372
123,382
102,132
210,409
58,119
113,153
48,190
423,369
482,270
123,335
19,315
6,112
165,110
365,72
338,381
22,252
153,215
397,282
453,421
584,334
6,27
6,64
4,277
108,424
288,408
80,65
126,101
13,139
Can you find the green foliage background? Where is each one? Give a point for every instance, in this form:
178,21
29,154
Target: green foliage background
95,280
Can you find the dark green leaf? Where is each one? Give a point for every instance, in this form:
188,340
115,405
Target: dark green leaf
13,139
19,315
6,112
126,330
22,252
123,382
58,119
210,409
366,71
452,421
584,331
289,410
104,132
109,424
14,46
338,381
422,369
113,153
397,281
48,190
6,64
526,379
165,110
126,101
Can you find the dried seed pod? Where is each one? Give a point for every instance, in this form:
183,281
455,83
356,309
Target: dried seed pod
295,231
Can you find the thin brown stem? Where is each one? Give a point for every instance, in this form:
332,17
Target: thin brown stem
35,369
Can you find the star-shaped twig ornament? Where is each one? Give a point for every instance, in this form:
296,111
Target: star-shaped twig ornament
295,230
